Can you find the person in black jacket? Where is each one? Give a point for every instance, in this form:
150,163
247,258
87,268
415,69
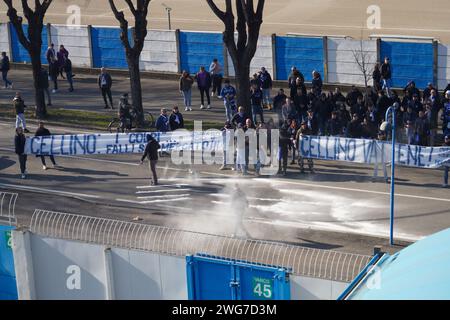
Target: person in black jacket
151,152
44,85
4,68
176,120
44,132
19,143
105,84
386,76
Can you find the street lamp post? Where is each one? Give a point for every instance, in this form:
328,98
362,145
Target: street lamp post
392,111
168,9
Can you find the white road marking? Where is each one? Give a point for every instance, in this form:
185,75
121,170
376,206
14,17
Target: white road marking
162,186
41,190
164,200
357,190
161,191
165,196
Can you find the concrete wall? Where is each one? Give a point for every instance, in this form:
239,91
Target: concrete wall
4,39
75,40
263,57
305,288
443,66
342,65
160,52
48,268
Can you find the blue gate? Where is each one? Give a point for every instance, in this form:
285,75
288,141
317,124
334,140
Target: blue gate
222,279
19,53
410,62
8,287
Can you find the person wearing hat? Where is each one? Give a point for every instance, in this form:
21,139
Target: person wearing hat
303,131
447,165
151,153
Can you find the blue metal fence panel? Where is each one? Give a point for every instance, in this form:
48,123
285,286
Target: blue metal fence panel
199,49
107,48
19,53
304,53
8,287
212,278
410,62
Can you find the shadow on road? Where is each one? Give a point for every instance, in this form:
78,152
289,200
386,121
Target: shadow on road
5,163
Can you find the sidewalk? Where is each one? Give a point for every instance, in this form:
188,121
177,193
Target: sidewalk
157,94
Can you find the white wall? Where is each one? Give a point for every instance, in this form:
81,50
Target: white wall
263,57
342,66
305,288
4,39
76,41
160,52
443,66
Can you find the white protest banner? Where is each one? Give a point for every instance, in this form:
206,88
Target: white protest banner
372,152
121,143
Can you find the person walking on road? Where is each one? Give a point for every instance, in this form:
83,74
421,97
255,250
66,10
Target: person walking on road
105,84
303,131
186,82
19,143
69,74
4,68
265,80
62,57
19,106
44,85
204,84
215,69
44,132
151,153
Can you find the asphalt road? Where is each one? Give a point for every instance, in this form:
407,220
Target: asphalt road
320,17
337,208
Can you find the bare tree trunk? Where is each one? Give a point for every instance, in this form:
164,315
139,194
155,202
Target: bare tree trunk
243,86
136,87
41,108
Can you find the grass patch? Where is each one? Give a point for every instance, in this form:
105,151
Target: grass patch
85,119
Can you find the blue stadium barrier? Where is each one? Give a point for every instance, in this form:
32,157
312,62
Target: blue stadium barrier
199,49
107,48
410,62
211,278
19,53
304,53
8,286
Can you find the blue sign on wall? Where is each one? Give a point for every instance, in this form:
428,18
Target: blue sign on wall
107,48
304,53
8,287
199,49
223,279
19,53
410,62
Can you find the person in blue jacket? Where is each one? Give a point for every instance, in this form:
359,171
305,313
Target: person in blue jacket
163,122
228,94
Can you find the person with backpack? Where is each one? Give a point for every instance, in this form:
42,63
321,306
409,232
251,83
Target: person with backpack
151,153
4,68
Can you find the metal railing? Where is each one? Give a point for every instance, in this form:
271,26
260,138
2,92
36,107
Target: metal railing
7,207
325,264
